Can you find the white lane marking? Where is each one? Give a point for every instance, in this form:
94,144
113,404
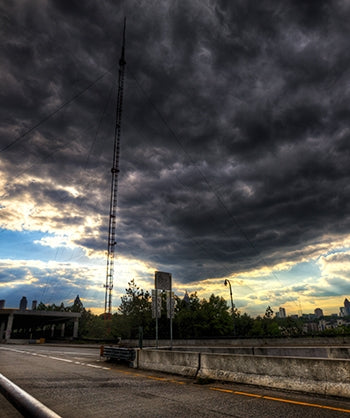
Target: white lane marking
15,350
61,359
76,353
56,358
97,367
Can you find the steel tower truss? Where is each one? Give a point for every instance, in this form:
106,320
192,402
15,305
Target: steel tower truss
114,185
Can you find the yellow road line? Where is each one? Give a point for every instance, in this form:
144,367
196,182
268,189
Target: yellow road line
177,381
252,395
270,398
156,378
163,379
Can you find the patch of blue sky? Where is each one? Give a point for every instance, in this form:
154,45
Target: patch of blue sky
300,272
25,245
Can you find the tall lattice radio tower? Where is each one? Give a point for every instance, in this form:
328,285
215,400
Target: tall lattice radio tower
114,184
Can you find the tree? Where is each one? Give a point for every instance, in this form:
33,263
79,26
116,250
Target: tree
77,305
266,326
186,316
268,313
135,311
290,327
243,325
92,326
196,318
216,320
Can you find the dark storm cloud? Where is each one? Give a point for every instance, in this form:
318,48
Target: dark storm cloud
235,131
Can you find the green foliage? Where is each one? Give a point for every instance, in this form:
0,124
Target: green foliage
186,317
290,327
53,307
343,330
196,318
216,320
268,313
265,327
193,318
77,305
243,325
41,307
135,311
90,325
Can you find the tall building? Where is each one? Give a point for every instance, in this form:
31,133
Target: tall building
347,306
186,298
282,313
23,304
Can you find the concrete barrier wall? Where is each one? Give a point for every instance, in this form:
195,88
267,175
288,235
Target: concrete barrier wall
320,376
304,351
245,342
182,363
338,352
312,352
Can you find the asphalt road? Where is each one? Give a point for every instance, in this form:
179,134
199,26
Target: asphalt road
74,382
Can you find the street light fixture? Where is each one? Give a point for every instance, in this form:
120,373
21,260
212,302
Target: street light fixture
227,282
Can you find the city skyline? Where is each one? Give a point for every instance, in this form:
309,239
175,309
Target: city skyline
280,312
234,151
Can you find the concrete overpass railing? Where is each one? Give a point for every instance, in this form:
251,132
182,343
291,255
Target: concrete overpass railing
244,342
175,362
303,351
312,375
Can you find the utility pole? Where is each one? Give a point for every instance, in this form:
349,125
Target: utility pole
114,185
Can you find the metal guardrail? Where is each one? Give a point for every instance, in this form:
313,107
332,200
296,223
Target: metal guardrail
118,353
23,402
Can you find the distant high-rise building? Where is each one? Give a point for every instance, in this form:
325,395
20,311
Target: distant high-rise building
2,303
282,313
34,304
186,298
347,306
318,312
23,304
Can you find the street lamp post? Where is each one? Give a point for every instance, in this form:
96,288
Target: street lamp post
227,282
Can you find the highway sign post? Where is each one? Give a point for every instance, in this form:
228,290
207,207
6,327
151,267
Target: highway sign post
162,282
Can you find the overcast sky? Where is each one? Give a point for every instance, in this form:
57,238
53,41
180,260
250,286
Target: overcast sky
234,150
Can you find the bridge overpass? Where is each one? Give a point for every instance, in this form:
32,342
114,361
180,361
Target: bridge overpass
25,324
